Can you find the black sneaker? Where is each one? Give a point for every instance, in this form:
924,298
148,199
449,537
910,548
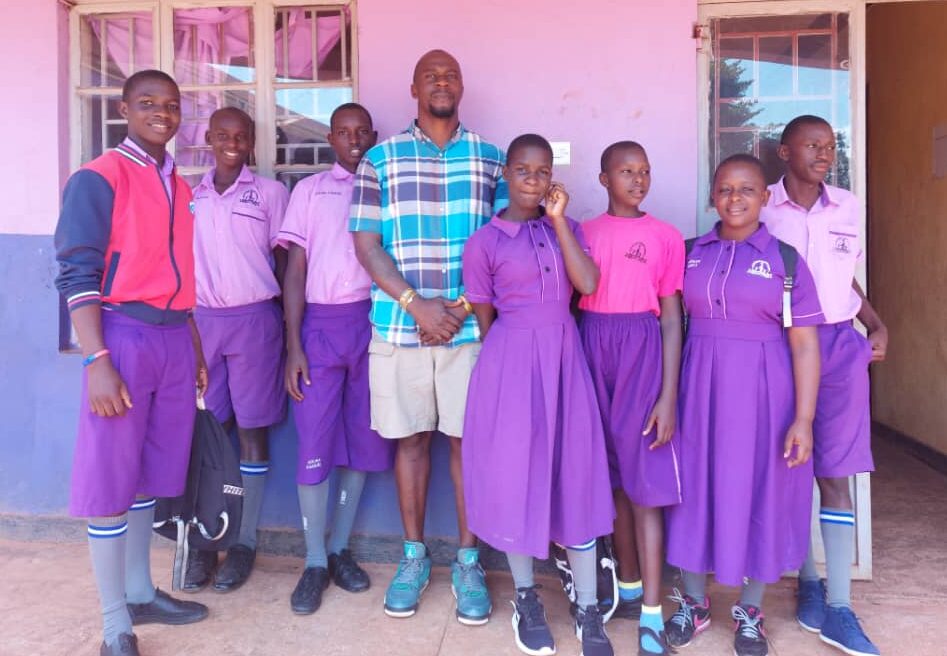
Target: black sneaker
346,573
750,639
200,570
628,609
235,569
307,596
688,621
606,578
590,630
530,630
125,645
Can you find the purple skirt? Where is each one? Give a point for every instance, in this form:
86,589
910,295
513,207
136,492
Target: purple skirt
624,355
744,511
535,466
842,423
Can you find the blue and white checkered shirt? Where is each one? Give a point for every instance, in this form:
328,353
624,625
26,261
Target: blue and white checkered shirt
425,202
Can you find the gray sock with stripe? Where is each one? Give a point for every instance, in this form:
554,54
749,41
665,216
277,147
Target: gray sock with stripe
351,484
582,560
313,500
107,537
838,536
254,478
139,588
521,567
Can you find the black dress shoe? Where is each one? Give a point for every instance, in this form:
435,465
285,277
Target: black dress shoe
200,570
307,597
346,573
167,610
126,645
236,568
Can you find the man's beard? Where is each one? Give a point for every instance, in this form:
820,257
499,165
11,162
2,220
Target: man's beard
442,112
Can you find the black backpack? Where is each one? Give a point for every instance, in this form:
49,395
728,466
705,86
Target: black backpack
790,257
207,516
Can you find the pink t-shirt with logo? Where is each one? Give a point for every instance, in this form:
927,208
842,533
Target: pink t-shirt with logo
318,220
828,236
641,260
234,236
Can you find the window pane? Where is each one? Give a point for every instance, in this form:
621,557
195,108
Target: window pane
759,24
736,68
113,46
305,35
776,66
196,108
302,121
815,64
213,45
102,126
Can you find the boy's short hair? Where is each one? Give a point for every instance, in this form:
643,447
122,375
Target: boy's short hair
528,139
615,147
148,74
800,121
350,106
742,158
232,110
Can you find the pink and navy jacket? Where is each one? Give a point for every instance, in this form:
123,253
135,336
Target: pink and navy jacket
125,238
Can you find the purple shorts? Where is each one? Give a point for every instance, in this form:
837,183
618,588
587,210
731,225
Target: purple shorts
624,354
334,418
146,451
243,346
842,426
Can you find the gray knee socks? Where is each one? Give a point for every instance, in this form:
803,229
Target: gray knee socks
107,536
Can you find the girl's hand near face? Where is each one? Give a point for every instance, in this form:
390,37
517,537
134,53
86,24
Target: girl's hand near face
556,200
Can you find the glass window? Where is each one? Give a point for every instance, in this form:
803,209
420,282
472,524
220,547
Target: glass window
767,70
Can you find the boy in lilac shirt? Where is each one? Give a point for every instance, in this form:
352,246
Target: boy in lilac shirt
237,217
326,300
824,224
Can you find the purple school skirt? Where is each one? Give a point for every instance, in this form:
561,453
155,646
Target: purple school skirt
744,512
624,355
147,450
535,466
842,425
243,347
334,418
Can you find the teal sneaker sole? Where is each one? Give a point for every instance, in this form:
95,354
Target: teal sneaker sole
408,611
471,620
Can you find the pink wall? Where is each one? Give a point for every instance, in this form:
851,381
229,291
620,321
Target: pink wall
33,129
591,73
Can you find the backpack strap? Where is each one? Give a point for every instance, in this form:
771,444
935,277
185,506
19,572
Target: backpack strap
790,258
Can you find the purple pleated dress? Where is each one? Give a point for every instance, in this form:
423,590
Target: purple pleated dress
744,512
535,466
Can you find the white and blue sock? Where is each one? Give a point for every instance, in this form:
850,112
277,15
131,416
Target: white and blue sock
107,536
254,478
652,617
838,536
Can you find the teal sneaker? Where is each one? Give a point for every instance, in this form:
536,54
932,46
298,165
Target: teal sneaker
469,585
412,577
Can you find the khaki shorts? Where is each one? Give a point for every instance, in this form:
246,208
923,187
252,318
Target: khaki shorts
415,390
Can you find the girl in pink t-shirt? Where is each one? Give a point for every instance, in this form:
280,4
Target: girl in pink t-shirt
631,332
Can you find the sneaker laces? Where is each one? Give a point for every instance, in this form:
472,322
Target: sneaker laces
684,615
850,621
471,579
529,607
409,573
592,625
748,625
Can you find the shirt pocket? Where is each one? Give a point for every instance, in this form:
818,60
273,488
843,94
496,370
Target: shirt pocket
253,221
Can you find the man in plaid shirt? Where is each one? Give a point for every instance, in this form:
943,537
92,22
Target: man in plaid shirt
418,196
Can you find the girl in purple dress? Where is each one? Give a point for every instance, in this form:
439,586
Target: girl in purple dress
535,467
747,401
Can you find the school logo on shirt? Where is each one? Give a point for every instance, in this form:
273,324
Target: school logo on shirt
314,463
692,263
251,197
191,206
842,246
760,268
638,251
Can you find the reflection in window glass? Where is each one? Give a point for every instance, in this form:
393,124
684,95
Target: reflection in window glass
113,46
213,45
768,70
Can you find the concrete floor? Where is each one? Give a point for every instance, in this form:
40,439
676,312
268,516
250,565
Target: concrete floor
48,605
